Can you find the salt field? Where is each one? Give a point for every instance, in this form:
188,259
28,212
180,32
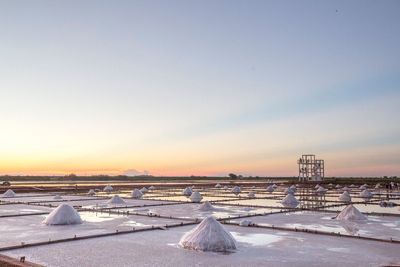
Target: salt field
115,229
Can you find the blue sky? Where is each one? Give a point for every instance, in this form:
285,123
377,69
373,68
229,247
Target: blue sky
199,87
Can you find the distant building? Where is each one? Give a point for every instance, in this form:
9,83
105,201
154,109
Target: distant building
310,169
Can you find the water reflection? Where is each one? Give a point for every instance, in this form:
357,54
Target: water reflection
256,239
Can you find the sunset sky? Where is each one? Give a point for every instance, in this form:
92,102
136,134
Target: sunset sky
199,87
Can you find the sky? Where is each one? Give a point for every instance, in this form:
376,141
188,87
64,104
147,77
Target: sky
199,87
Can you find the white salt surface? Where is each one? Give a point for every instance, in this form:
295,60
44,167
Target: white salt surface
255,247
13,209
36,198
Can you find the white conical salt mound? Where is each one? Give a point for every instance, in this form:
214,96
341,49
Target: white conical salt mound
317,186
346,188
196,197
209,235
274,186
236,190
377,186
363,187
337,186
57,197
366,194
91,192
152,187
345,197
245,222
351,213
217,186
270,189
226,187
63,214
353,185
9,193
116,200
206,206
144,190
187,191
108,188
251,195
136,193
290,201
321,190
289,190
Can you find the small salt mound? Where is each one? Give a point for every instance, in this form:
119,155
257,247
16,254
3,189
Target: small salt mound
337,186
91,192
116,200
290,201
9,193
293,187
245,223
236,190
251,194
187,191
152,187
136,193
196,197
377,186
217,186
206,206
363,187
366,194
353,185
270,189
351,213
346,189
321,190
226,187
57,197
108,189
345,197
144,190
330,185
317,186
63,214
274,186
209,235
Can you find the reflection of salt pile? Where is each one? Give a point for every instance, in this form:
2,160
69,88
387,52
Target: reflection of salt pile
137,193
218,186
63,214
9,193
345,196
152,187
91,192
196,197
366,194
245,223
290,201
251,195
209,235
116,200
206,206
270,189
57,197
108,189
187,191
351,213
236,190
321,190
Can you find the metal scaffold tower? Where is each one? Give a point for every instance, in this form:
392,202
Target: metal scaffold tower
310,169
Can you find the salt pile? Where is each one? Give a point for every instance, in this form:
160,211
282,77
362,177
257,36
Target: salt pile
91,192
226,187
274,186
346,189
236,190
345,196
144,190
116,200
187,191
353,185
366,194
206,206
196,197
289,190
108,189
209,235
9,193
218,186
136,193
57,197
321,190
377,186
363,187
270,189
63,214
337,186
317,186
251,194
245,223
152,187
290,201
350,213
